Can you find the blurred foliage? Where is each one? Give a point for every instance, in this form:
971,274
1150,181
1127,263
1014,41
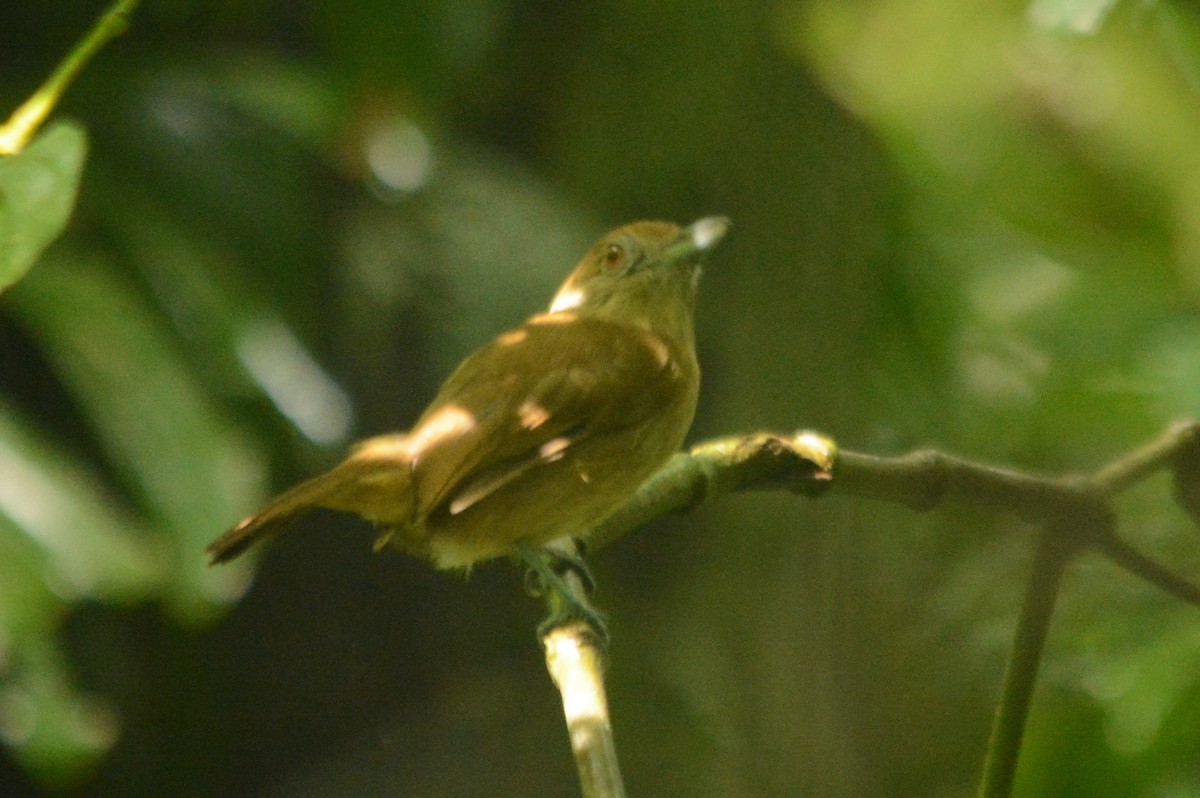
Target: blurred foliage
969,225
37,191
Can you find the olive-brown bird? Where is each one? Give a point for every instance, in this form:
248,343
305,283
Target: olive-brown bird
544,431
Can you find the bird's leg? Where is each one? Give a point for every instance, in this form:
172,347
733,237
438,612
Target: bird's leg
558,574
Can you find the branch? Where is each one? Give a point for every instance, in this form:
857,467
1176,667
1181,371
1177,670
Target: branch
1020,673
574,640
759,461
576,665
24,122
1156,574
1177,448
809,464
1073,511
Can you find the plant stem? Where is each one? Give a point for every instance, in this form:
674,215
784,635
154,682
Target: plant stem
575,644
1153,572
1148,458
576,665
24,122
1020,673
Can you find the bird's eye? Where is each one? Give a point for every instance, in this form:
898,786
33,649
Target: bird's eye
614,255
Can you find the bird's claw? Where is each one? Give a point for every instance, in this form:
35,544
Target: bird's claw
548,575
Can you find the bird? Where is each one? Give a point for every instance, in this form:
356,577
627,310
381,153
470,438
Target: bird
544,431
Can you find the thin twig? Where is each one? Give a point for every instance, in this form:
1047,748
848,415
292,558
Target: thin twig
24,122
926,479
1020,673
1158,575
1148,458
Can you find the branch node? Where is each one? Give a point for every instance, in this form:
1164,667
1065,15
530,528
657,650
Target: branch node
816,460
929,468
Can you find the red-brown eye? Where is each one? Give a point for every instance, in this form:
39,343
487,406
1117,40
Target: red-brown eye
613,255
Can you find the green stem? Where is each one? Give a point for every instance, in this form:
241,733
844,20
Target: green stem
1153,572
1020,674
24,122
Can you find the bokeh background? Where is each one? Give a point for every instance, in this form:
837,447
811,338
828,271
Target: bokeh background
972,225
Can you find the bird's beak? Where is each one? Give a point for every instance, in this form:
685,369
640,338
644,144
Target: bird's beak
697,239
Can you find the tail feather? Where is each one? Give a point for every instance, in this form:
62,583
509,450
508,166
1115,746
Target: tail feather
268,521
378,489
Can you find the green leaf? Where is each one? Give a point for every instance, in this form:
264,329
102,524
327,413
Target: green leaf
156,424
78,539
55,534
51,728
37,193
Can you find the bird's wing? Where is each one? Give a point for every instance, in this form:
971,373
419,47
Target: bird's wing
524,400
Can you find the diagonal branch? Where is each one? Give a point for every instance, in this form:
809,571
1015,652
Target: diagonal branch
1176,448
1156,574
24,122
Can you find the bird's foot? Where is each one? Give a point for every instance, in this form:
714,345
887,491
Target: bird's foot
566,584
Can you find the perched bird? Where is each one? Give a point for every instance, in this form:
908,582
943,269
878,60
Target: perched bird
543,432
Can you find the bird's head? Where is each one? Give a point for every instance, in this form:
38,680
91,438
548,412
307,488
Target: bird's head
644,274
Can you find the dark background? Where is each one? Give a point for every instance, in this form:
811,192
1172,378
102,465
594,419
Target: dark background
968,225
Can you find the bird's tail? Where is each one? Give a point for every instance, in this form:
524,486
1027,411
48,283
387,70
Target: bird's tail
377,488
